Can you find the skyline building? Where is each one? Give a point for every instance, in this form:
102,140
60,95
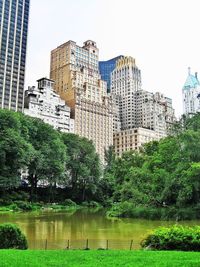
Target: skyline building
191,94
140,116
125,81
106,68
132,139
14,16
43,103
75,71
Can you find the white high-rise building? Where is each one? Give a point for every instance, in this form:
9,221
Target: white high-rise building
43,103
191,94
125,82
136,108
154,111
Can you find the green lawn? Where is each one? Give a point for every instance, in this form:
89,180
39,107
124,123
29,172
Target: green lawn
30,258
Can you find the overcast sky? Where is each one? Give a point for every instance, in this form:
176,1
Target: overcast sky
162,35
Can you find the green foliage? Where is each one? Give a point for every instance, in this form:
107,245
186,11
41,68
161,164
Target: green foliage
15,151
69,202
25,206
83,167
174,238
91,204
164,174
49,158
11,237
126,209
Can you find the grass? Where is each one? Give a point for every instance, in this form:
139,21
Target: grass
115,258
33,207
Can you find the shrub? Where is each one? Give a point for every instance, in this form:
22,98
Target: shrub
21,195
11,237
14,207
174,238
91,204
69,202
22,205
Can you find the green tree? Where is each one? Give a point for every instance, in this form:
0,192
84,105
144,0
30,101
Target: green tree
15,151
82,167
47,165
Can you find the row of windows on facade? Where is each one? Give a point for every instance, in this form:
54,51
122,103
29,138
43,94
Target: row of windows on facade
14,60
10,21
15,46
46,108
98,137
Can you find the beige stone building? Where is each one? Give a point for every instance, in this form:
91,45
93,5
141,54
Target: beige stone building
139,116
77,80
132,139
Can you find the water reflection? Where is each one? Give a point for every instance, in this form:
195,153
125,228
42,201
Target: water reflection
59,227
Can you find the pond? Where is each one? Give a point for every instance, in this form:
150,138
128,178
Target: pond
83,228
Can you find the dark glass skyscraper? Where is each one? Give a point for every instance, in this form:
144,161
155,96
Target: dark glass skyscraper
13,41
106,67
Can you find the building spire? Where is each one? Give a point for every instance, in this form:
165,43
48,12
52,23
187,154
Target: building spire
189,70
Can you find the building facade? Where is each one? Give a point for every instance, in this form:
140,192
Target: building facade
43,103
14,16
132,139
125,82
191,94
154,111
75,70
106,68
151,115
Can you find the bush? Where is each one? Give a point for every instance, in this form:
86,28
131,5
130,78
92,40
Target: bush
69,202
14,207
11,237
91,204
174,238
20,195
22,205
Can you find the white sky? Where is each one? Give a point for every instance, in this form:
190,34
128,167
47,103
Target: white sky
162,35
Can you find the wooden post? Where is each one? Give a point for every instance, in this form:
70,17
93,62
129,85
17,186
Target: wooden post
46,244
68,244
131,245
87,244
106,244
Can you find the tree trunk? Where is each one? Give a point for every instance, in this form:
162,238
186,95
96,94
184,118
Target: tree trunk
33,182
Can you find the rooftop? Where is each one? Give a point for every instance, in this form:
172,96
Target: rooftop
191,81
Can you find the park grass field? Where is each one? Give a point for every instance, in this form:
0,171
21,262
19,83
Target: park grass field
34,258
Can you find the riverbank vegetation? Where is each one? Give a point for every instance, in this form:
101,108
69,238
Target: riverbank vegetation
174,238
163,180
98,258
159,182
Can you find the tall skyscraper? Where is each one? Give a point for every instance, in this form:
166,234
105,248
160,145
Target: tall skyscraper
191,94
106,68
14,16
75,71
140,116
125,81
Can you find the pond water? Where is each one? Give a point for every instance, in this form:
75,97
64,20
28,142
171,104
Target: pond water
52,230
